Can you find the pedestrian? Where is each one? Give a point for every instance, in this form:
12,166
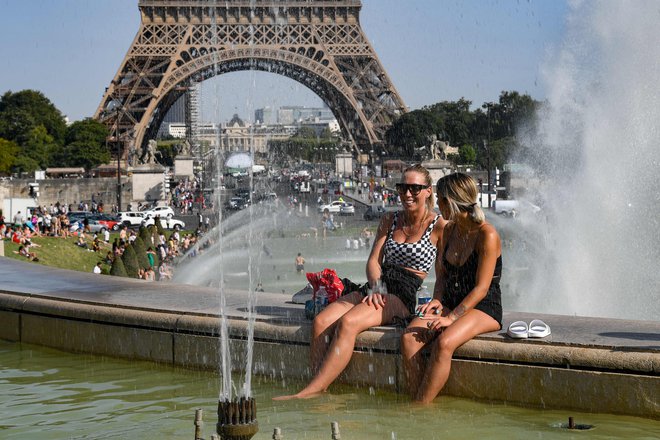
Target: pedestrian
300,263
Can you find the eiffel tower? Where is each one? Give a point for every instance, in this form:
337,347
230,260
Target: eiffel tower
318,43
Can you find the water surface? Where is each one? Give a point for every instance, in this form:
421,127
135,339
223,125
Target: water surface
54,395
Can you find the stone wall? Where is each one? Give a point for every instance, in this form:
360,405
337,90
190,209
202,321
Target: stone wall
69,191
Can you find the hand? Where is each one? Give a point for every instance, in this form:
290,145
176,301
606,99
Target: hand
429,307
437,323
377,300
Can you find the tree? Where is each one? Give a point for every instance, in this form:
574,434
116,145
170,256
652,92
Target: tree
141,253
8,152
145,235
85,145
412,130
467,155
88,130
118,268
130,261
457,120
25,110
36,150
81,154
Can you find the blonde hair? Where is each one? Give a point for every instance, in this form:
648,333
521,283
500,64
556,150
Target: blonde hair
460,192
418,168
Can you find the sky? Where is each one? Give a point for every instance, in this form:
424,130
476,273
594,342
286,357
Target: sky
433,50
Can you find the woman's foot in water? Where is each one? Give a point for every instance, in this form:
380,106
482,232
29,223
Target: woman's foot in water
300,395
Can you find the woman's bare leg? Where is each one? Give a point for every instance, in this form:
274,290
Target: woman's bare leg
324,325
473,323
355,321
414,338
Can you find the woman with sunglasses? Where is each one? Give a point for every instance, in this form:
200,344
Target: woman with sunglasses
403,253
467,297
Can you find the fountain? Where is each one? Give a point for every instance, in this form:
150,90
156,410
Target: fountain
575,193
594,153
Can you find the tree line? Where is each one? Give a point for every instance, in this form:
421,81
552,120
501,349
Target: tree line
485,134
34,134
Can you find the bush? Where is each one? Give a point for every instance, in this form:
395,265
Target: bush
141,253
154,234
118,268
145,235
159,226
130,261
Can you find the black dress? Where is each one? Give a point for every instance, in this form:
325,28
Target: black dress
460,280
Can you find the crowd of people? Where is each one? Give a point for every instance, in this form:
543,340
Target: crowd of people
53,222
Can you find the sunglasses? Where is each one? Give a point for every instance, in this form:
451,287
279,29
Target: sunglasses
414,188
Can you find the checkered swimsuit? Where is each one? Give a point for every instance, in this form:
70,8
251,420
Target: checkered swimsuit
419,255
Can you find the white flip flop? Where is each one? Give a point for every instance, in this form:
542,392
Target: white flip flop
518,330
538,329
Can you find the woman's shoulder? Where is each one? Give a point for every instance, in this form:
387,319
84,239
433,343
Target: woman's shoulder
486,229
488,234
440,221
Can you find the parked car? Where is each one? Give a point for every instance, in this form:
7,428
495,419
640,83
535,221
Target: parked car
162,211
347,209
514,207
110,221
94,225
131,218
166,223
74,216
333,207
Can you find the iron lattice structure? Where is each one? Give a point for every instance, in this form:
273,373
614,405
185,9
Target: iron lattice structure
318,43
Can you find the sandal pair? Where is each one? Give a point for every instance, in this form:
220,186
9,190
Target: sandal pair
535,329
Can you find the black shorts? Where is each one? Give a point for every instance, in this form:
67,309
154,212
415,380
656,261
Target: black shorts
400,282
491,305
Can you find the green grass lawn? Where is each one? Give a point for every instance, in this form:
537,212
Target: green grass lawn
63,253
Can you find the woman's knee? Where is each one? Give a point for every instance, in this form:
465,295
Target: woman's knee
446,345
351,324
322,323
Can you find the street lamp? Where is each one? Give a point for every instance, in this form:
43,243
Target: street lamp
118,161
487,148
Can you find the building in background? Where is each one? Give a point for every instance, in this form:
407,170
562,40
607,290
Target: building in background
293,114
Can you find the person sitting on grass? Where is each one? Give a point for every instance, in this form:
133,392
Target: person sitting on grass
96,245
81,239
23,251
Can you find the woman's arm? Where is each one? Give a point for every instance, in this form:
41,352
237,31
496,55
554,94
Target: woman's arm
435,305
375,259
